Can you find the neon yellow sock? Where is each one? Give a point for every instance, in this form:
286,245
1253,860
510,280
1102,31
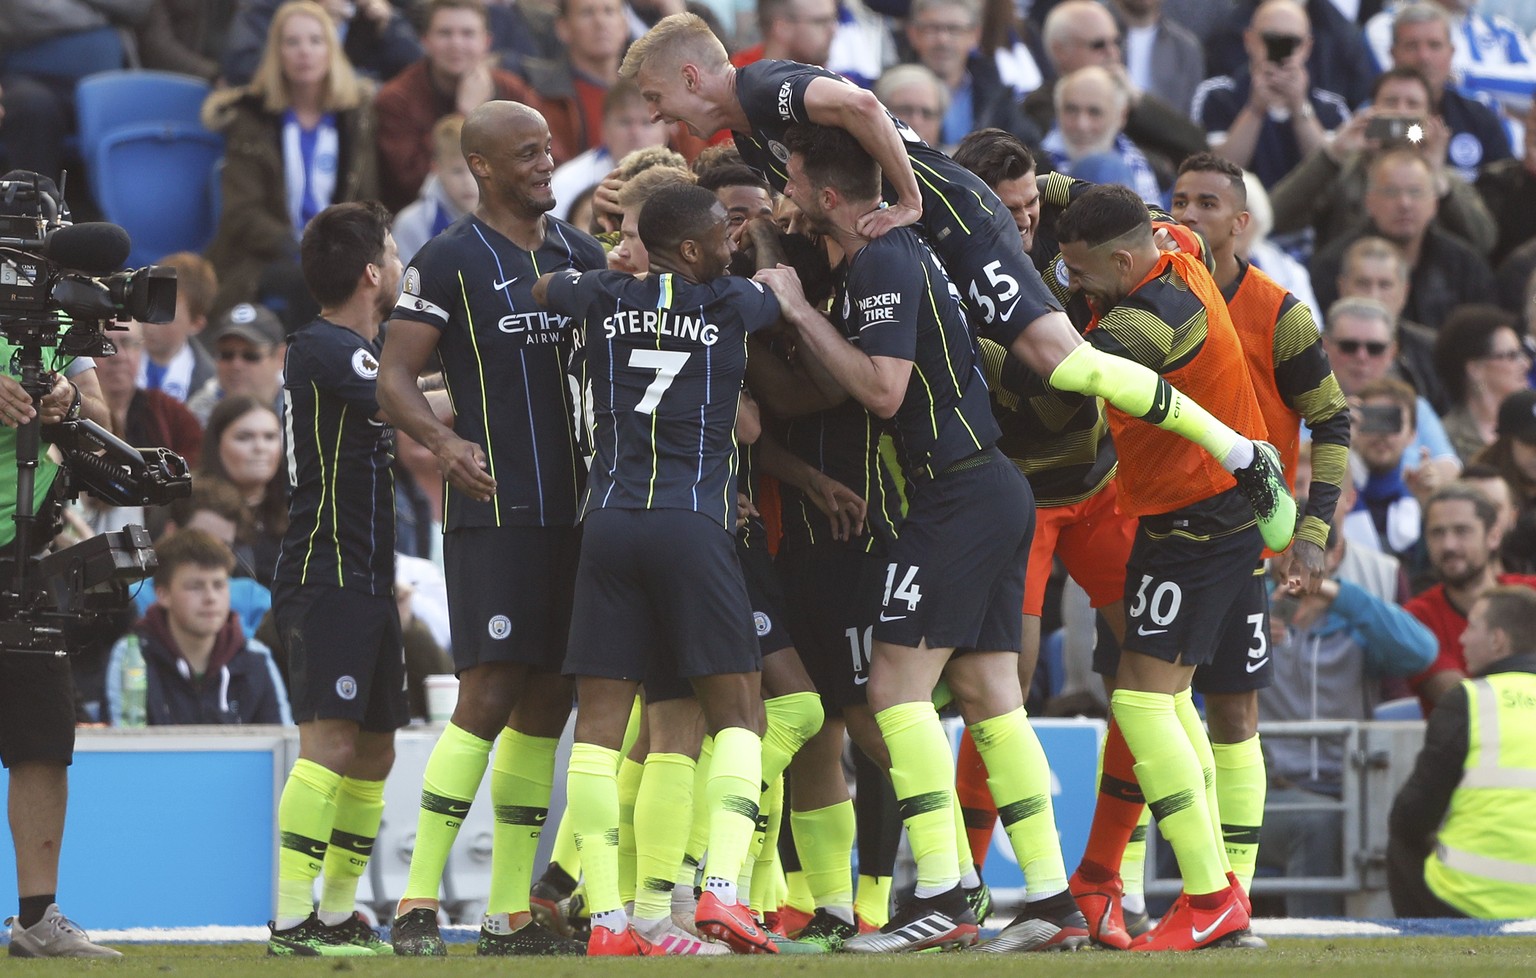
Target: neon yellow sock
592,793
1194,729
765,871
663,817
698,833
824,839
630,772
305,814
792,720
359,810
1169,773
1139,392
1241,784
564,852
924,775
873,905
734,787
1020,778
799,897
453,774
963,858
522,775
1133,865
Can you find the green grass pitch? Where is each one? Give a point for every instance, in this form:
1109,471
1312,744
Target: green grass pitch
1395,957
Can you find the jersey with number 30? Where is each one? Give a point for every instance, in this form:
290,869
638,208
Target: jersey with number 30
665,359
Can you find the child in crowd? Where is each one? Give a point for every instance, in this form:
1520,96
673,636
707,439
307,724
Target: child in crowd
448,193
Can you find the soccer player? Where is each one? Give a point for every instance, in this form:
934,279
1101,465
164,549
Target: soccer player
684,75
954,579
333,599
667,354
1190,587
1294,383
514,475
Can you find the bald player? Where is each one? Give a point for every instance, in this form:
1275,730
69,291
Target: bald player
514,475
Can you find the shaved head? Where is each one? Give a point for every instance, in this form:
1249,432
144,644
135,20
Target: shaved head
495,121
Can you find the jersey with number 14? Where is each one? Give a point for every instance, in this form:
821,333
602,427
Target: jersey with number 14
665,359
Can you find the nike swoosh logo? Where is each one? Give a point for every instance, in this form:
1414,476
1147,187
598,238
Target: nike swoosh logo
1144,631
860,680
1009,311
501,285
884,617
1201,936
1256,666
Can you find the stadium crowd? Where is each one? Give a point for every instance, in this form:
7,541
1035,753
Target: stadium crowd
1371,164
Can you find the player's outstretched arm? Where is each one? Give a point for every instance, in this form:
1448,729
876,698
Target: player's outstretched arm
878,383
407,347
835,103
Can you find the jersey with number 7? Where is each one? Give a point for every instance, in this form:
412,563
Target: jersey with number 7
665,359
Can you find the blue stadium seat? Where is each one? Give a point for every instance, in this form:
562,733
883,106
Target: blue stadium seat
1406,708
113,100
153,180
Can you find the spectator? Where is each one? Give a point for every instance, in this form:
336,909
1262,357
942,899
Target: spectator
243,446
1400,205
216,508
793,30
593,37
1253,245
1508,188
1079,33
1513,456
1374,268
297,139
1463,827
448,194
1331,650
455,74
1339,63
1492,56
627,126
1481,362
1013,44
1387,515
1459,523
172,363
200,666
918,97
184,36
1088,140
1326,192
144,418
1161,57
1487,480
248,360
377,38
1361,339
522,29
944,35
1268,116
48,46
1421,40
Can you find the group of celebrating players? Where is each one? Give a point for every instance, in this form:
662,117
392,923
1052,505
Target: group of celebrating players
591,531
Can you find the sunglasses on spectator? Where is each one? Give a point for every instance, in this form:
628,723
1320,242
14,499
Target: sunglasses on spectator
249,356
1349,348
914,112
1102,43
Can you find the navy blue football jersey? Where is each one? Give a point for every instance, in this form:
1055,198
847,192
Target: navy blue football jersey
341,506
665,359
896,301
504,364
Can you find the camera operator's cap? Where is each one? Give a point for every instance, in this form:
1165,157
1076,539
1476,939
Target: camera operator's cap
249,321
1517,417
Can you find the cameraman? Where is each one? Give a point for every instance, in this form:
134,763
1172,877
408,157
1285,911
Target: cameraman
37,710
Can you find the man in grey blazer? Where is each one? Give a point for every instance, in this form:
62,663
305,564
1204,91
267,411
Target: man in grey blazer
1161,57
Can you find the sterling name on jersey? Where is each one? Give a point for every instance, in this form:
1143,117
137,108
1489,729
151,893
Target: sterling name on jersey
956,202
337,450
504,364
665,359
896,301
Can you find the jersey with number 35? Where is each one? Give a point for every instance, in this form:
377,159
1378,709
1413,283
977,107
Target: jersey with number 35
665,359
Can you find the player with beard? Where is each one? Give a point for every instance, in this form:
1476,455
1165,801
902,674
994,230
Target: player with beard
515,474
684,75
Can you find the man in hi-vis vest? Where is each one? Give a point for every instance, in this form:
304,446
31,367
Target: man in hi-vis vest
1463,840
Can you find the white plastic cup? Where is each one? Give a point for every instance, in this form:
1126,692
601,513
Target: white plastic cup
442,697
